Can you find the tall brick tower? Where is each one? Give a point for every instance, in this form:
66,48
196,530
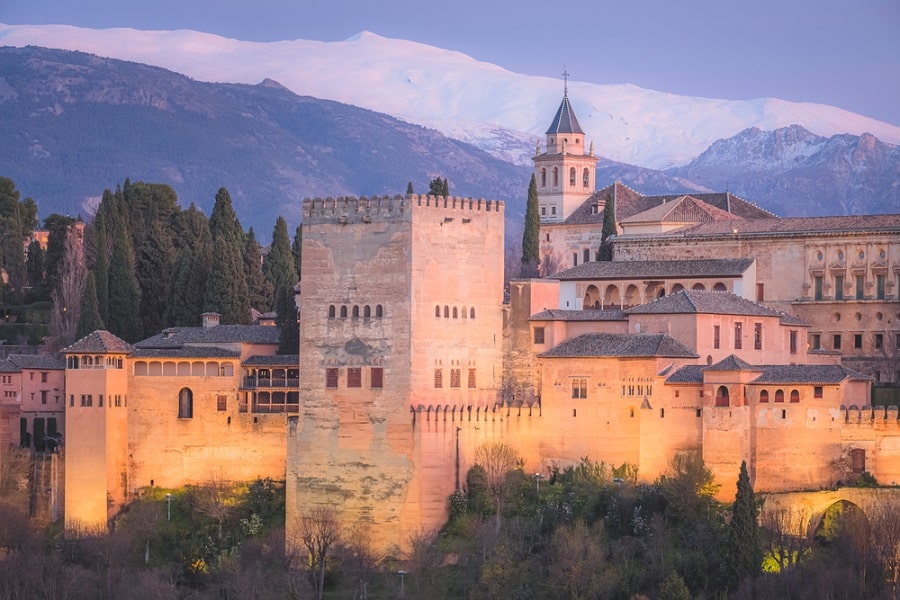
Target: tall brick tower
97,429
401,309
566,172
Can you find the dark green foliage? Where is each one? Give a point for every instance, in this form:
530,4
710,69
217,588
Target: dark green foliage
96,240
154,263
35,262
17,221
409,188
744,548
531,243
124,294
439,187
297,250
89,319
258,287
286,319
609,229
278,266
57,227
226,287
191,270
445,188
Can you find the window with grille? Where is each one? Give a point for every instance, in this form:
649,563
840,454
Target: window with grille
354,377
331,378
377,376
454,378
579,388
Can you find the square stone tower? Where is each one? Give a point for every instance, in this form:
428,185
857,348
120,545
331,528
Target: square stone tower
401,312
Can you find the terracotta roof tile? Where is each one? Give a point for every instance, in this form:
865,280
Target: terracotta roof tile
591,314
175,337
706,302
277,360
620,345
38,361
99,342
730,267
186,352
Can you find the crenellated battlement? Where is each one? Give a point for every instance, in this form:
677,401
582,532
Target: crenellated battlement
346,210
472,412
871,415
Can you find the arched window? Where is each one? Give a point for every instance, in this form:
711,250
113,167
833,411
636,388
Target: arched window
764,396
465,313
455,313
331,311
446,312
437,311
378,311
699,287
722,396
355,311
185,404
779,395
677,288
367,312
795,396
720,287
343,312
572,176
543,177
585,179
472,313
555,176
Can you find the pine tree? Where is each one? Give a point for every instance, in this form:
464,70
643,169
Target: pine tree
744,548
89,320
609,229
259,288
17,221
531,235
436,187
409,188
226,287
278,267
286,319
297,250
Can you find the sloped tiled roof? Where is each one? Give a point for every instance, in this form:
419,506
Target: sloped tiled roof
684,209
688,374
706,302
656,269
733,363
620,345
185,352
7,366
565,121
99,342
591,314
798,226
42,362
277,360
807,374
175,337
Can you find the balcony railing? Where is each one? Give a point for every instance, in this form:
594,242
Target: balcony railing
255,383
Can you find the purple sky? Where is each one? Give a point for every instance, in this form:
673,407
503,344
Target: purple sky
845,54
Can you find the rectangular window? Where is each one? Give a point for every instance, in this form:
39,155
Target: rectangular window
757,336
574,259
354,377
817,286
43,396
100,400
760,292
471,379
738,334
838,287
552,210
71,399
377,376
538,335
793,342
118,400
44,375
879,341
816,341
586,256
438,378
897,341
860,286
579,388
879,287
543,211
716,336
331,378
836,342
857,341
455,378
221,403
817,391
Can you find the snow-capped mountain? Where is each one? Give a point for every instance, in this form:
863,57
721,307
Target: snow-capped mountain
499,111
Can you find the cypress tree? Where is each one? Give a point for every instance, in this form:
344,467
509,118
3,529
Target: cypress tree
226,287
609,229
744,548
409,188
531,246
89,320
445,188
101,269
57,227
297,249
124,318
286,319
259,288
154,262
278,266
191,270
35,262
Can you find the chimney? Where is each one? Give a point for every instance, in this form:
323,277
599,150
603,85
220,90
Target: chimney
210,319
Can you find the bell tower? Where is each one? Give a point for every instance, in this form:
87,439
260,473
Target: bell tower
566,172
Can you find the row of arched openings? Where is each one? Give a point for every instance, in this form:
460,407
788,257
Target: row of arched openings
353,312
612,296
454,312
573,175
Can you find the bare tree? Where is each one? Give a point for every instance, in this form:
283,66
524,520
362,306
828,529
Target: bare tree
884,518
785,536
318,530
66,297
497,459
214,500
15,467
